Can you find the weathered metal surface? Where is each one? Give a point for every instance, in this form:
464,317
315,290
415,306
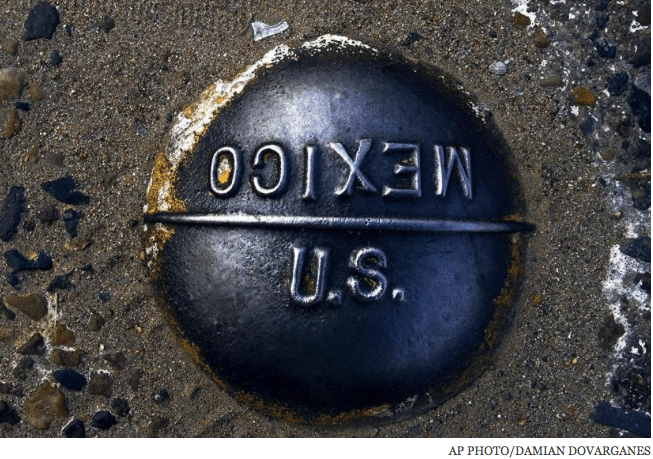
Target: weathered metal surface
336,233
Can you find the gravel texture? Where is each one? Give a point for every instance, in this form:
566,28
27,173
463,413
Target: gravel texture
103,81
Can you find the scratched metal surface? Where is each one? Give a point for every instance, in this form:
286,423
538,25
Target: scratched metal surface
580,335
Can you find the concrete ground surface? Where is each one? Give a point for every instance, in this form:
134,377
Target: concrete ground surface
97,99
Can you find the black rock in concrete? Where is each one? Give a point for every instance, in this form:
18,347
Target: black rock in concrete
33,346
70,379
41,22
21,370
412,38
18,262
103,420
618,83
10,214
47,214
633,421
65,189
75,429
606,49
120,406
24,106
106,24
8,414
71,220
640,104
61,282
55,58
639,248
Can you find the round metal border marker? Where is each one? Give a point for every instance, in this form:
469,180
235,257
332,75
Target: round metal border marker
336,234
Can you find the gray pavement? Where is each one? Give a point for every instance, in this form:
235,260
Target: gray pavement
573,104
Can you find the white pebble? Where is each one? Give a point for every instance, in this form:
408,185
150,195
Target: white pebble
498,68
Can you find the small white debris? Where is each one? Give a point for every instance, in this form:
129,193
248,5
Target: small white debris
498,68
635,26
262,30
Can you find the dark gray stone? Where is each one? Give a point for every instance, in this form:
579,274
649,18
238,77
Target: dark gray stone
11,212
75,429
8,414
637,422
640,104
65,189
70,220
55,58
41,22
103,420
33,346
639,247
70,379
618,83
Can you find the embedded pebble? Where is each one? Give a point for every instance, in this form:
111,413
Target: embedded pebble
47,214
19,105
263,30
18,262
618,83
65,358
521,21
106,24
9,46
100,384
135,379
61,282
35,93
70,379
71,220
412,38
55,58
498,68
11,212
157,423
584,96
161,395
34,306
120,406
117,361
103,420
11,389
639,248
46,405
640,103
75,429
643,82
96,322
8,313
540,38
605,49
22,369
633,421
104,296
65,189
8,414
62,336
33,346
41,22
12,124
11,83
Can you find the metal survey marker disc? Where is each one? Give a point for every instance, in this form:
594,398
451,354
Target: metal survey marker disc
336,233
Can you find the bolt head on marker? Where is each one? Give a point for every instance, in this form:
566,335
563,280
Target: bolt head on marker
336,234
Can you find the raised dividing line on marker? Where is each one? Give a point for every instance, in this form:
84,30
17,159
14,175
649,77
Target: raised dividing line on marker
341,223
